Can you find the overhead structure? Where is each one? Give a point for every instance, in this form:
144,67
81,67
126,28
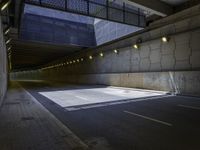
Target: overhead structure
154,6
31,53
112,10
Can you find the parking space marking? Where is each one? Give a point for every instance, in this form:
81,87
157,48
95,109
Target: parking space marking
148,118
191,107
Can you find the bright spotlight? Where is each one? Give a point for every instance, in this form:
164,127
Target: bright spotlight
101,54
90,57
115,51
136,46
165,39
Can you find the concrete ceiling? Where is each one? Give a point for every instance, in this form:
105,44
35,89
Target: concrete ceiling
174,2
153,6
33,54
161,8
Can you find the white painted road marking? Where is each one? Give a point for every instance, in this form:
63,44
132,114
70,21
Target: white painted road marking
115,102
148,118
81,97
191,107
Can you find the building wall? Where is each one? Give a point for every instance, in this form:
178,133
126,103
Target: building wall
3,65
172,66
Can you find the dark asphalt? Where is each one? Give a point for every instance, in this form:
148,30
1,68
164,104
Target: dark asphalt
123,131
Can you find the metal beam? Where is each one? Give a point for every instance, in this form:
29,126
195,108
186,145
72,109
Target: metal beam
155,6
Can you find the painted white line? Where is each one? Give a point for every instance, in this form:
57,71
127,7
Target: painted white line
148,118
114,102
191,107
81,97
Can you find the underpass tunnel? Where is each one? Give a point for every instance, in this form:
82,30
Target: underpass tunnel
99,74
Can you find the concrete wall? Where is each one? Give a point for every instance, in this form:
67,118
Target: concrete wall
182,82
106,31
57,31
3,65
172,66
49,25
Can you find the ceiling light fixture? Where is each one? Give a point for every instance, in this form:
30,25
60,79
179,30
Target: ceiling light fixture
5,5
8,41
101,54
7,31
115,51
90,57
9,48
136,46
165,39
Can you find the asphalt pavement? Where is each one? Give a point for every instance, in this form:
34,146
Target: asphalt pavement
123,118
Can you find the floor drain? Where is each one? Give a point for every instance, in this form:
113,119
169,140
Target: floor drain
27,118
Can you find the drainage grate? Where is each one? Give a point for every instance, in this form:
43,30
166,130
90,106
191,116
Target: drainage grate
27,118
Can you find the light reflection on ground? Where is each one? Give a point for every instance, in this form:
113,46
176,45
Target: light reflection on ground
93,96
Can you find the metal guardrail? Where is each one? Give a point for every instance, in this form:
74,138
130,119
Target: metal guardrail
103,9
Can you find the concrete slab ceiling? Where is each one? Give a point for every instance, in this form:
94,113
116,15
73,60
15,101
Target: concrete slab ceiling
159,7
154,6
174,2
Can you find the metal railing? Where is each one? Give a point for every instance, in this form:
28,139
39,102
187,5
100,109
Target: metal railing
103,9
